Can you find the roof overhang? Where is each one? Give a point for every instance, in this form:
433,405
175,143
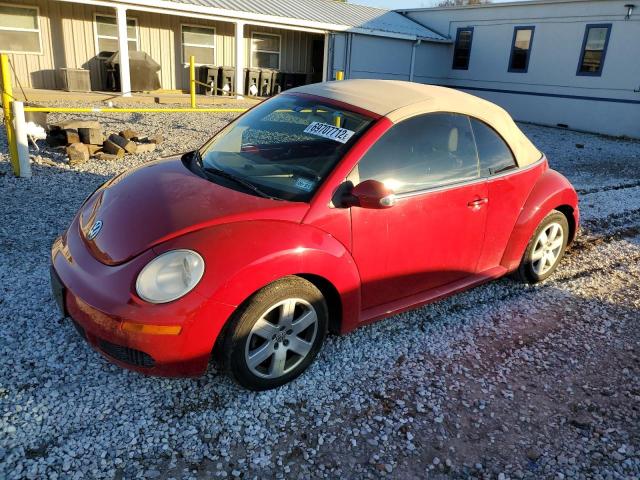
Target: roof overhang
224,15
512,3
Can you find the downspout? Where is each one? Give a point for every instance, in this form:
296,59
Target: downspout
347,56
413,59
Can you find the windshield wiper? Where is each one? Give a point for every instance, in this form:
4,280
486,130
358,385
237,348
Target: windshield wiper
239,180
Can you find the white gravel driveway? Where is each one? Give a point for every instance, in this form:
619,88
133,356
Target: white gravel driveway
503,381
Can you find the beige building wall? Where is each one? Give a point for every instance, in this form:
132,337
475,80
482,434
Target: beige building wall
295,48
69,41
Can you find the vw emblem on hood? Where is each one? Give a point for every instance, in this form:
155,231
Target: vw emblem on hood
95,230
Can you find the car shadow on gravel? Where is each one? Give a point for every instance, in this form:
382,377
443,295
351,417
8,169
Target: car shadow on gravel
539,382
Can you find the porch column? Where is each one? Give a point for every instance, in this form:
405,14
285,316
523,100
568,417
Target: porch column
240,60
325,58
123,48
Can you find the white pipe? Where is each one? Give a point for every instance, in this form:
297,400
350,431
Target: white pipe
123,47
22,140
240,60
413,60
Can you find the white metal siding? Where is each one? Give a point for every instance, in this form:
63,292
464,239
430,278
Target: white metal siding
555,53
377,57
295,48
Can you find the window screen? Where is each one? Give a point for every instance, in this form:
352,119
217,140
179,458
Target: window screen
199,42
19,29
462,50
422,152
107,35
495,155
265,50
594,48
521,49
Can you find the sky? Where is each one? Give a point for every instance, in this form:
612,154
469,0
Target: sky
396,4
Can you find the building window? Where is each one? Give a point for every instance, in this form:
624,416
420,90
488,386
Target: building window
265,50
19,30
199,42
521,49
594,48
107,35
462,50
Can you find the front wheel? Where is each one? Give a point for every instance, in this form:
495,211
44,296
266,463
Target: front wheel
276,334
545,249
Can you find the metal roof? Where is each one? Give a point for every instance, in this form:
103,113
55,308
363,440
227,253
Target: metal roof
361,18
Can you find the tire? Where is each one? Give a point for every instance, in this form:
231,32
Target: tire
534,269
265,346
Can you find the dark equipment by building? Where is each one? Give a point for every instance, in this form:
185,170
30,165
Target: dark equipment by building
252,78
266,82
143,70
292,80
277,81
227,81
208,76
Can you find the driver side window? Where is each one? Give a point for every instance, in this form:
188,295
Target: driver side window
421,152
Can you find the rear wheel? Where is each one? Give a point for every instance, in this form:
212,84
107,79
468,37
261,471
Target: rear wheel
276,334
545,249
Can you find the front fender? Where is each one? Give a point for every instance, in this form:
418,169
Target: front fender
243,257
552,190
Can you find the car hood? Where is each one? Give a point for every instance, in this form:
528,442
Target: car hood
163,200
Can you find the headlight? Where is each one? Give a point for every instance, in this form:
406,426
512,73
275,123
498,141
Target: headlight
170,276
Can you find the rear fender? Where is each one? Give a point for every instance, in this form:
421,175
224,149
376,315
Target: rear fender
552,190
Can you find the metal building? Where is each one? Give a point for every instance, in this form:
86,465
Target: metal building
306,38
573,63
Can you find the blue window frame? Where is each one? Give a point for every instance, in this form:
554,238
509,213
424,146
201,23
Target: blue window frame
521,45
462,49
594,49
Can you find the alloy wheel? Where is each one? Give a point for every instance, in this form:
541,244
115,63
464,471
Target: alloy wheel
281,338
547,248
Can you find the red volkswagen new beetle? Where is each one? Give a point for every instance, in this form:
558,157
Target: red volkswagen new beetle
322,209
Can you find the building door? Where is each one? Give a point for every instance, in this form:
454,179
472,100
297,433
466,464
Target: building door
317,59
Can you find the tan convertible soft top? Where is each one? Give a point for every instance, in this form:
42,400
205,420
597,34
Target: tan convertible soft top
398,100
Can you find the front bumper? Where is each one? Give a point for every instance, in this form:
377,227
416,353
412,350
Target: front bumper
99,298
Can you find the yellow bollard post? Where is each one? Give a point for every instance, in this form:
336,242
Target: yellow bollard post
192,80
7,98
339,75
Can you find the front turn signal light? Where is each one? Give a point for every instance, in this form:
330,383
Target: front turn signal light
151,329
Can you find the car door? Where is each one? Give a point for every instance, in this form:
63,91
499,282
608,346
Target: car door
508,188
433,235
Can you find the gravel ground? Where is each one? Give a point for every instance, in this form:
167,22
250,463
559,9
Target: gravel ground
503,381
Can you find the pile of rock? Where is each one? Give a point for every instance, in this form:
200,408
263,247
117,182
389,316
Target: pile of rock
85,139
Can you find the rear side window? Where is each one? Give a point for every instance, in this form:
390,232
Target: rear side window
422,152
495,155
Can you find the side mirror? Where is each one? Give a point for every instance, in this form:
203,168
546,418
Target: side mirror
371,194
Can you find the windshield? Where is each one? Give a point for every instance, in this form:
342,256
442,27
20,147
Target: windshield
284,148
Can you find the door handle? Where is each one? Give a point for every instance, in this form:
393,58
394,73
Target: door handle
477,203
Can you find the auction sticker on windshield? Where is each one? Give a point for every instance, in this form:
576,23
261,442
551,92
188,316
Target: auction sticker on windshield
325,130
304,184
